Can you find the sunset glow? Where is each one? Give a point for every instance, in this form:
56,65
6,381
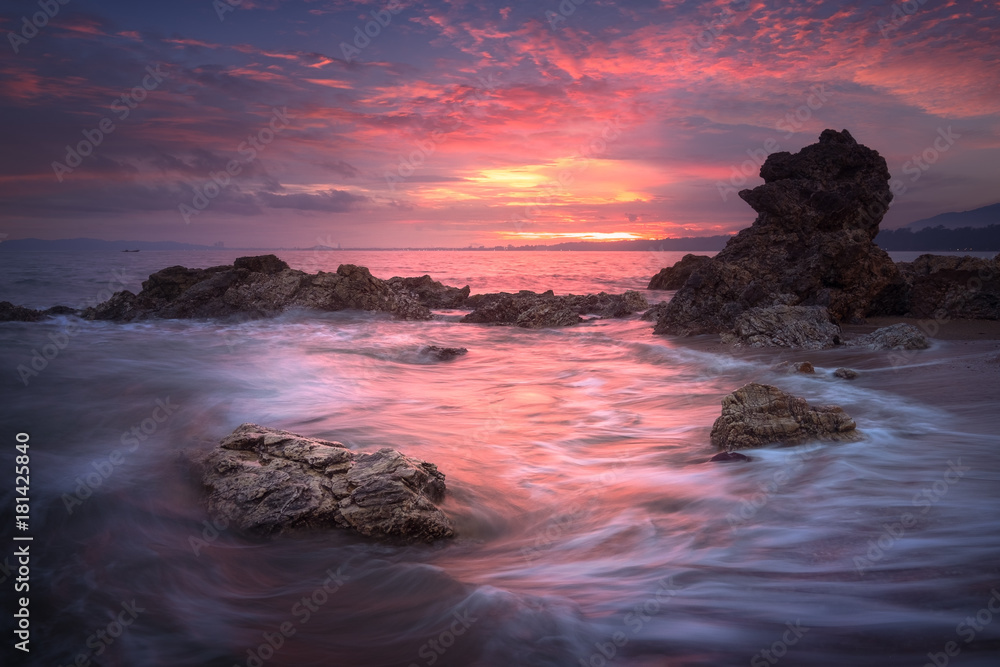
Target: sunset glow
469,123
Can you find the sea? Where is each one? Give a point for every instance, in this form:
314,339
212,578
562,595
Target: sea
592,529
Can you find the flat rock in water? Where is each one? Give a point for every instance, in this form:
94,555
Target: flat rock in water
758,414
802,327
845,373
255,287
535,311
895,337
729,457
264,481
11,313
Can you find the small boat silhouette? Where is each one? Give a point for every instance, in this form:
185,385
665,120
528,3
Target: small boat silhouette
130,251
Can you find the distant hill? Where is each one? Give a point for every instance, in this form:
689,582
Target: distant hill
978,217
94,245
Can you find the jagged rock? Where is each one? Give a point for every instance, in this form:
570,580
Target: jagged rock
254,287
728,457
805,327
845,373
533,311
947,287
758,414
674,277
429,292
654,313
894,337
11,313
263,481
442,353
811,244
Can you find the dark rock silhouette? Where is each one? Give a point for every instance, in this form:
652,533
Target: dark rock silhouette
429,292
946,287
811,244
674,277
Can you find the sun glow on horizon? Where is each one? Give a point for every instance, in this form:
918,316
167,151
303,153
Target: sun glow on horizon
575,236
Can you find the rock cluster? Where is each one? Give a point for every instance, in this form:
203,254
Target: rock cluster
674,277
261,286
263,481
945,287
811,244
429,292
534,311
756,415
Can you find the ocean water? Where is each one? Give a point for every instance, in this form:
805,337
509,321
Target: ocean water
592,530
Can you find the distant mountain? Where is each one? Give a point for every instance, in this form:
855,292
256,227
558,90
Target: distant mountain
94,245
978,217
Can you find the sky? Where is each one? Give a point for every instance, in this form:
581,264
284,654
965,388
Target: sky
392,123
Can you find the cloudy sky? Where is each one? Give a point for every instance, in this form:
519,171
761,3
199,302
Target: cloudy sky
457,122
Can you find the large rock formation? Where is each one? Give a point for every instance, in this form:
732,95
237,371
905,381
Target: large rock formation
263,481
255,287
674,277
945,287
811,244
533,311
758,414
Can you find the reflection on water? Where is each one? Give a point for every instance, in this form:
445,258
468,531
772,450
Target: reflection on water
592,530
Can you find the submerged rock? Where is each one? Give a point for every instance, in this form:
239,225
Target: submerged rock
805,327
442,353
728,457
811,244
11,313
758,414
845,373
534,311
254,287
264,482
803,367
674,277
895,337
